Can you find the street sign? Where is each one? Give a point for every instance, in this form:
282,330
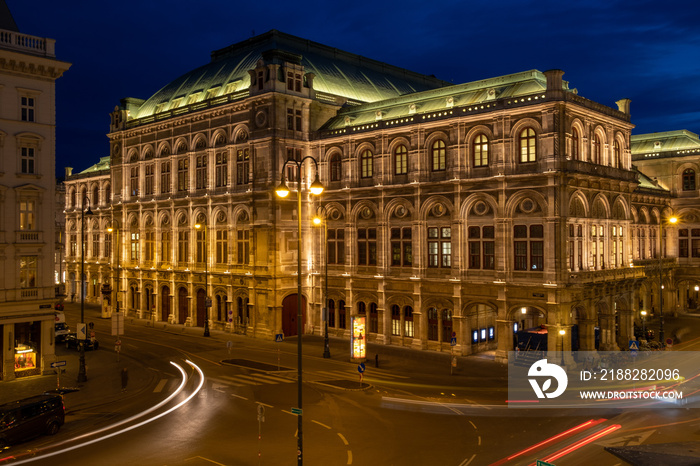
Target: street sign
453,341
361,368
279,337
544,463
634,346
58,364
669,341
296,411
81,329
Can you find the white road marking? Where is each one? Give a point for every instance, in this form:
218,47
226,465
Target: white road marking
343,438
320,424
160,386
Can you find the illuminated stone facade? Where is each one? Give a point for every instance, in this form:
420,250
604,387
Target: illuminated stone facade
28,71
453,211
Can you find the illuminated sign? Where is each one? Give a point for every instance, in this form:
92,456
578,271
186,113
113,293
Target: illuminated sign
359,335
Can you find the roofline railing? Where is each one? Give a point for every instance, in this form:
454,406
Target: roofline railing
13,40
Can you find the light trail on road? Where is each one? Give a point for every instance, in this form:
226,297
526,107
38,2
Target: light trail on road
135,426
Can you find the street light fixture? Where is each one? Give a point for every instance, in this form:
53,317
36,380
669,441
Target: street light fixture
282,190
82,375
644,329
207,303
318,220
672,220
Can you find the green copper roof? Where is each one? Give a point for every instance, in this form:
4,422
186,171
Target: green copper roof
336,72
436,100
103,164
668,141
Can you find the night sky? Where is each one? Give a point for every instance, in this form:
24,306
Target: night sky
648,51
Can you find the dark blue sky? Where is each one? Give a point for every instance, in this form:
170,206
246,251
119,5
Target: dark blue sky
648,51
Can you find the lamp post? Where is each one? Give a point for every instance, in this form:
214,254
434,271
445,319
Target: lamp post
562,332
672,220
644,329
203,227
82,375
317,221
282,190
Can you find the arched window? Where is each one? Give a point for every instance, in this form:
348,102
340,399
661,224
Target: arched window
108,194
336,167
595,156
361,308
432,324
481,151
408,321
617,154
688,179
438,155
528,145
73,196
331,313
366,164
95,195
401,160
395,320
575,144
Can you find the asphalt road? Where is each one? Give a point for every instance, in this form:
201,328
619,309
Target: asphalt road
409,412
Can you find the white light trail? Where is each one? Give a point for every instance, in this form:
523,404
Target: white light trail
135,426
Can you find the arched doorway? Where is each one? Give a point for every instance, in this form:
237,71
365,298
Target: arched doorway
289,315
165,303
182,305
201,307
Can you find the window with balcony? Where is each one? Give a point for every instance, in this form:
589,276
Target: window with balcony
150,170
221,175
243,246
242,166
27,215
134,249
165,186
336,246
366,246
134,181
150,245
221,246
183,242
165,245
27,271
201,172
183,176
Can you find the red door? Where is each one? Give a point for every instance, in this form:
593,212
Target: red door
289,314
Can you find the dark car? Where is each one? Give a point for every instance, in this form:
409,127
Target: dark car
73,342
23,419
62,331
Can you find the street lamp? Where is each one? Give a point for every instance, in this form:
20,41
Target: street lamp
562,332
203,227
644,329
82,375
282,190
317,221
672,220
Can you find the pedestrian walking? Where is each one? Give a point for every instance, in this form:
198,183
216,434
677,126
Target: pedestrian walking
125,379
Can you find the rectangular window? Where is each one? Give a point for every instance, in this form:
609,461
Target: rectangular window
165,238
134,246
27,160
183,239
200,245
150,169
242,166
367,246
695,251
27,108
134,181
401,247
336,246
27,271
221,169
529,247
440,247
293,119
73,245
95,245
107,252
165,178
183,176
26,215
683,242
150,245
221,246
201,172
482,248
243,246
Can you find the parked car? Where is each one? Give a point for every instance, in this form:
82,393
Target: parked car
30,417
62,330
73,342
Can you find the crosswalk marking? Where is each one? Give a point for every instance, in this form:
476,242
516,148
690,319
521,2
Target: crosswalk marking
233,381
271,379
259,379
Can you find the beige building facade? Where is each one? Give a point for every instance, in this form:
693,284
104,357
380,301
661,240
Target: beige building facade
456,215
28,71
